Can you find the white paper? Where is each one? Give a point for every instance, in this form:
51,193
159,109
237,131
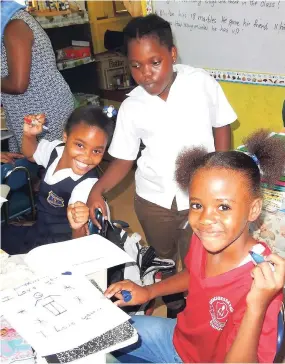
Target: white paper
2,200
84,255
59,313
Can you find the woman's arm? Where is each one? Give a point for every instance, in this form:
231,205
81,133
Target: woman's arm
7,157
18,41
222,138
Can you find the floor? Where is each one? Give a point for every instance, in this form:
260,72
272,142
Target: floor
121,202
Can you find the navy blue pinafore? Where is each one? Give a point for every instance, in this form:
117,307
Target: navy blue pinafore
52,224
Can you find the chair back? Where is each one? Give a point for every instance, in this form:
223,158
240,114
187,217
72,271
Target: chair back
280,328
24,170
21,198
5,168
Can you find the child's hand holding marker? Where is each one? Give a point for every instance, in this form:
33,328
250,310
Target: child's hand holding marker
268,280
257,258
34,124
128,293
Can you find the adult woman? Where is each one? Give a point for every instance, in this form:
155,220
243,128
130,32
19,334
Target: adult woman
30,81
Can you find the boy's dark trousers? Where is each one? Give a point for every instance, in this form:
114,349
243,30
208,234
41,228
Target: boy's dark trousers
165,231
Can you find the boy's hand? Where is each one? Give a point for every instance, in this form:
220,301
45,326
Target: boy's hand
139,294
33,124
78,215
266,283
95,201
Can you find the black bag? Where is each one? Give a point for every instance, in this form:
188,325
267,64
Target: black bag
146,264
112,231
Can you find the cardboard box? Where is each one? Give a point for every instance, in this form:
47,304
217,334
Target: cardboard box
113,71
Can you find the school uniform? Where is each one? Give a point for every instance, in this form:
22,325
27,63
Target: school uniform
215,307
195,105
206,329
57,191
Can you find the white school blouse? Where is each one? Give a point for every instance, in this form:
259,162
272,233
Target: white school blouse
196,103
42,156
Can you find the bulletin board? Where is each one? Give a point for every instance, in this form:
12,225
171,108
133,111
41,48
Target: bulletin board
236,41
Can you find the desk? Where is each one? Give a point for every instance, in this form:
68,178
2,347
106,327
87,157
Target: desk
6,134
9,279
4,190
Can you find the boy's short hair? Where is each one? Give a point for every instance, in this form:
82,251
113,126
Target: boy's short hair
92,116
148,26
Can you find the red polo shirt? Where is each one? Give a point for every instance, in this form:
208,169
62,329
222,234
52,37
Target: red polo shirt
215,307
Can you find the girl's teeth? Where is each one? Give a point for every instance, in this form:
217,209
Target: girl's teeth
82,165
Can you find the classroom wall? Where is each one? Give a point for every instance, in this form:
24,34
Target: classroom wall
256,106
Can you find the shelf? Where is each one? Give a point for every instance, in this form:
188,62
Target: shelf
71,63
86,99
66,20
115,95
6,134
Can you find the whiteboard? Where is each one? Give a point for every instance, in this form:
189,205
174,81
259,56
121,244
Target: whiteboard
234,35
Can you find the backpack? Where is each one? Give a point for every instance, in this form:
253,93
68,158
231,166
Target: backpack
147,263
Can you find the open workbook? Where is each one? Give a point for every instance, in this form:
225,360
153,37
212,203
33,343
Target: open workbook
65,317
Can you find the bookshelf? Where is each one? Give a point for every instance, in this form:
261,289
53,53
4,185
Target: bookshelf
62,27
59,20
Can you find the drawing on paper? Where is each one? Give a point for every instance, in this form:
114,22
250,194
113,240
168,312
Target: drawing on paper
50,315
22,311
49,303
78,299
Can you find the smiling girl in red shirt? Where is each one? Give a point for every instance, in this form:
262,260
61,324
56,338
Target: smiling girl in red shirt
232,305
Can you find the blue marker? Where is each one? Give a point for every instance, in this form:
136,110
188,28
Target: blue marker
67,273
127,296
257,258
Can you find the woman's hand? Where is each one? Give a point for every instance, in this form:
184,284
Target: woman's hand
78,215
33,124
139,294
266,283
7,157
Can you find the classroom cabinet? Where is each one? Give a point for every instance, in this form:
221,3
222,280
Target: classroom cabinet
103,16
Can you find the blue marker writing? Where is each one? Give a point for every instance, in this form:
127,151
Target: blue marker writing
257,258
127,296
67,273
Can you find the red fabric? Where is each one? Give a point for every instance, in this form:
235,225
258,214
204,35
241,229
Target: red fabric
215,306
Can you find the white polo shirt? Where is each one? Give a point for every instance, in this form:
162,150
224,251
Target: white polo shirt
195,104
42,157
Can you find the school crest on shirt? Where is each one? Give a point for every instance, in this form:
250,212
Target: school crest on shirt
220,308
55,200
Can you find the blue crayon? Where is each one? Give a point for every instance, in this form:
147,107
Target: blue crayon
127,296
